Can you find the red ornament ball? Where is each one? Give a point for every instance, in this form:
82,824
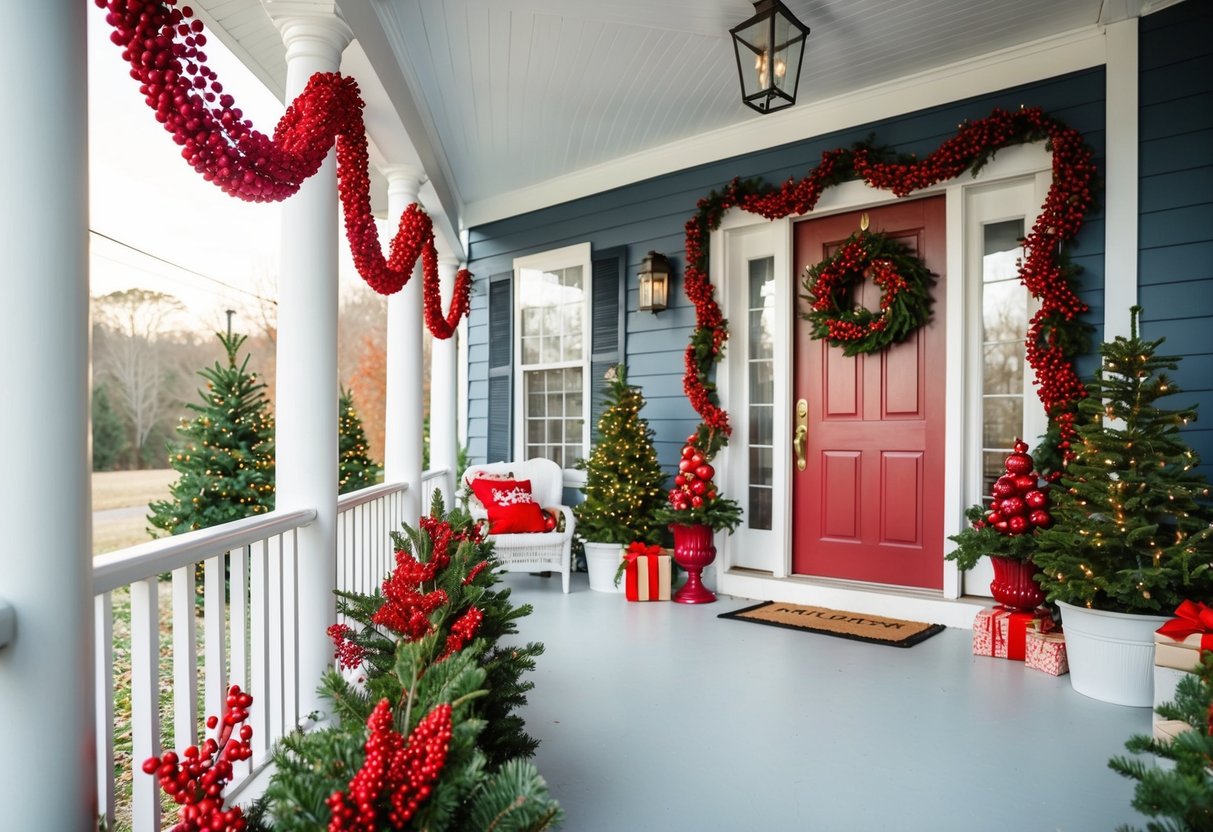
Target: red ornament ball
1018,524
705,471
1019,463
1012,507
1004,486
1041,518
1036,499
1024,482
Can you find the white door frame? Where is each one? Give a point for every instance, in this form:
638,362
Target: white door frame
777,581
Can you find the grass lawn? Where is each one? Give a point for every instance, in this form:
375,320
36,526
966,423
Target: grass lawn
126,489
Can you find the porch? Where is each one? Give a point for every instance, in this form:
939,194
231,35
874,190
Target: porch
663,716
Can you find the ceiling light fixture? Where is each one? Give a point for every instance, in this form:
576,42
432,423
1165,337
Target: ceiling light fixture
769,49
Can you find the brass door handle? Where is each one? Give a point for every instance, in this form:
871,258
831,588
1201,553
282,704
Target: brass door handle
800,439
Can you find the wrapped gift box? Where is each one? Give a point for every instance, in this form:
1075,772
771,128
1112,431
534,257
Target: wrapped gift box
1169,729
1046,652
647,577
1002,632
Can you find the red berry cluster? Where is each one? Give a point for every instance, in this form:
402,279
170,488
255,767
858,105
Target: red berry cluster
474,571
396,775
348,654
693,485
462,631
1051,345
197,781
1020,502
406,608
164,50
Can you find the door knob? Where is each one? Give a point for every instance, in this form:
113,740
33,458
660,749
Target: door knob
800,439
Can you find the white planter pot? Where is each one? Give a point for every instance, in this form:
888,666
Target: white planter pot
1111,654
602,561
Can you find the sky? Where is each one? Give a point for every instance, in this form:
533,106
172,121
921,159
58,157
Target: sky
154,222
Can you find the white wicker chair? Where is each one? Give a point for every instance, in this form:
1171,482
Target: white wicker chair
530,552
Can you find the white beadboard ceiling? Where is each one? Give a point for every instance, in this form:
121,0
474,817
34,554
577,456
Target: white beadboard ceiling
500,96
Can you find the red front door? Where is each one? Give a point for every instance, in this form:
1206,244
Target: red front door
868,505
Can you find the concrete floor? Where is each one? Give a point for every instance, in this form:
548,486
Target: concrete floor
661,716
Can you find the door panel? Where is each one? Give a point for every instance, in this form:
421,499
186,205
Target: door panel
869,504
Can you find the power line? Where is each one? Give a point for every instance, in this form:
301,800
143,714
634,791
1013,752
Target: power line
179,267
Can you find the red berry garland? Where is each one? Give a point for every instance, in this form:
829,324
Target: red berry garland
396,774
197,782
164,50
905,304
1055,335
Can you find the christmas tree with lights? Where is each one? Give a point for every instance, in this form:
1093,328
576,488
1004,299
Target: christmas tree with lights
355,468
625,486
225,455
1131,526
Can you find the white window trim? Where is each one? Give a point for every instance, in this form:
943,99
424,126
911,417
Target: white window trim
560,258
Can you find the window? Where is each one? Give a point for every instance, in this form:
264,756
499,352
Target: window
761,360
552,348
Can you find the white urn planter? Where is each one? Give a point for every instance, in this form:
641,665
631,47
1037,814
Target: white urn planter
602,562
1111,654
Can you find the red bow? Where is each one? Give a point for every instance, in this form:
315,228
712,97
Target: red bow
1191,617
637,548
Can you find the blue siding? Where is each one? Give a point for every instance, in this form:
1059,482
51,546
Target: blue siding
651,215
1175,262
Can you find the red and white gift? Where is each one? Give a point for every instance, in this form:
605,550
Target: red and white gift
1002,632
646,573
1046,652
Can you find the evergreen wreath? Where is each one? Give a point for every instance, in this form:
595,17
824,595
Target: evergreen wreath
905,302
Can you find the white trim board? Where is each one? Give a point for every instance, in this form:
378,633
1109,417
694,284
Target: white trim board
1036,61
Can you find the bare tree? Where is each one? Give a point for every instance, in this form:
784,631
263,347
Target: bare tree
133,332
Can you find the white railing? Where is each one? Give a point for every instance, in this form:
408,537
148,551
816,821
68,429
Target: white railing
246,635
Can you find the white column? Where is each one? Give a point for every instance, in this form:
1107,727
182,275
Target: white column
403,409
444,441
1120,178
306,407
48,768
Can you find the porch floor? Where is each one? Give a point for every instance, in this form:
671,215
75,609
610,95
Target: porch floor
662,716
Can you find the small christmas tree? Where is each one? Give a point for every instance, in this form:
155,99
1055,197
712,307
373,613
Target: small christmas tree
1129,534
356,469
225,458
1181,794
624,487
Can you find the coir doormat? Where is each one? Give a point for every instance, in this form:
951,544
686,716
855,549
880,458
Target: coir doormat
896,632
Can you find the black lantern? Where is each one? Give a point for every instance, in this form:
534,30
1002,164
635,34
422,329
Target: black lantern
654,278
769,48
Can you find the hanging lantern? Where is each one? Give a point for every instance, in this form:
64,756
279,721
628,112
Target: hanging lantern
654,283
769,49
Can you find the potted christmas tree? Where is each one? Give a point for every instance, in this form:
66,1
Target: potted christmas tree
1006,529
624,485
1130,539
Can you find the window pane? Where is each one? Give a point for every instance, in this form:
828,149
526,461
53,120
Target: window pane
572,279
758,514
761,469
762,382
1003,368
761,425
1002,421
530,350
1004,311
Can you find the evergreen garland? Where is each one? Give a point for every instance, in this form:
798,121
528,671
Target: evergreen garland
483,781
225,456
1129,534
625,486
355,468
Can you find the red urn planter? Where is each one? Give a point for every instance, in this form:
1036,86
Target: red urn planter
693,550
1013,585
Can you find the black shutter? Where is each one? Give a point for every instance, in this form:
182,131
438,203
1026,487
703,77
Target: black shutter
501,367
607,331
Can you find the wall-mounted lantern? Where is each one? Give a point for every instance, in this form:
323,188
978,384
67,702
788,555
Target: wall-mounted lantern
654,280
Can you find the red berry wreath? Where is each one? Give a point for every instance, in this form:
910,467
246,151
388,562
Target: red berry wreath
905,302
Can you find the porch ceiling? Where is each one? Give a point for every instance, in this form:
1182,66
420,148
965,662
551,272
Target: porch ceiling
499,98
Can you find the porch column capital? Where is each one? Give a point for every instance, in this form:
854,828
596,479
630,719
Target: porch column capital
403,186
310,30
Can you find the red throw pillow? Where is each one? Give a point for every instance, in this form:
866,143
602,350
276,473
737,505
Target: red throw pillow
510,505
